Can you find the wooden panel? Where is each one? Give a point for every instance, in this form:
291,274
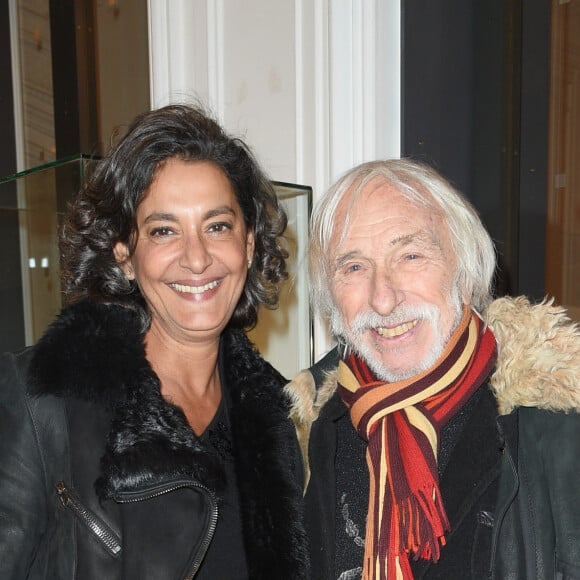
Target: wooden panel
563,222
36,76
122,75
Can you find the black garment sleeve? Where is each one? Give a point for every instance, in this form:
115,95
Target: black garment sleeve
23,511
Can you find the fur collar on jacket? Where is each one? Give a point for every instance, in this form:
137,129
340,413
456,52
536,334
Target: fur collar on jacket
538,364
95,352
538,361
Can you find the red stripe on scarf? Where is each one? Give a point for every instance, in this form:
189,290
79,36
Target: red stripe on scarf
413,519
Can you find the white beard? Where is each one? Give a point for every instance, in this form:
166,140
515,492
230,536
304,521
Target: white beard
353,337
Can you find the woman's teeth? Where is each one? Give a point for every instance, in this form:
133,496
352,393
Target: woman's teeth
195,289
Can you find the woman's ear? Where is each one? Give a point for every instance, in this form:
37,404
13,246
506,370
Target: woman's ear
250,244
122,256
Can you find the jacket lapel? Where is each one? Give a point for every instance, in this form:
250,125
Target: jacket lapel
267,464
471,474
474,463
95,353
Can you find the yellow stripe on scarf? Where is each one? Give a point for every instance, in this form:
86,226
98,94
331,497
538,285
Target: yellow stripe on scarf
361,405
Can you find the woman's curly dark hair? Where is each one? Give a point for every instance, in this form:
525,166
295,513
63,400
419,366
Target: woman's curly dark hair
103,213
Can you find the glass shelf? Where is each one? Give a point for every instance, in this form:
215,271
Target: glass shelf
31,206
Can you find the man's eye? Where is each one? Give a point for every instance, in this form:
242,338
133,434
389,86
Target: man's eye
352,268
412,257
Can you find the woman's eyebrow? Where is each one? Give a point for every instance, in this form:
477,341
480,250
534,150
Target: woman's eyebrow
169,217
160,217
223,209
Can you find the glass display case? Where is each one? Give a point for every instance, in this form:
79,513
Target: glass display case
31,208
285,336
32,204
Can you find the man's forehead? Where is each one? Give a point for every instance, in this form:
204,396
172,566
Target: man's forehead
387,199
420,218
359,192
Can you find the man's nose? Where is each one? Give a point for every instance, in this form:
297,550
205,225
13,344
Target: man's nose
385,293
195,255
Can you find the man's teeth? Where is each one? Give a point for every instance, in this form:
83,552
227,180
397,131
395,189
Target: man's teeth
397,330
195,289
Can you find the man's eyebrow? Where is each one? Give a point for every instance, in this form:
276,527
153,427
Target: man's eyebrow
344,258
420,236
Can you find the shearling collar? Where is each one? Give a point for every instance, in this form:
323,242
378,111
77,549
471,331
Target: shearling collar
538,363
93,352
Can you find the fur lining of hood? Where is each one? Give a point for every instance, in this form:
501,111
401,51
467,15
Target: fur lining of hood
538,365
538,362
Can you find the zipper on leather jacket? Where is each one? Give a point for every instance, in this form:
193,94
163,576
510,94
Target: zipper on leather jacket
94,523
131,497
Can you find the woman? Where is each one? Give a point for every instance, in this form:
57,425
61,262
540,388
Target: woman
143,437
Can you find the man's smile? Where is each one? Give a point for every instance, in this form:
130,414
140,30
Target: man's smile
397,330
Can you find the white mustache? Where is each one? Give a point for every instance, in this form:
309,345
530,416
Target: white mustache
402,314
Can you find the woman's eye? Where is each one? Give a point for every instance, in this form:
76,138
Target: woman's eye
160,232
220,227
352,268
411,257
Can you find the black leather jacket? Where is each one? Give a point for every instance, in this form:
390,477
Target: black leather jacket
511,482
511,490
101,478
536,531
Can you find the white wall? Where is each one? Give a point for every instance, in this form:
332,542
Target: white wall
312,85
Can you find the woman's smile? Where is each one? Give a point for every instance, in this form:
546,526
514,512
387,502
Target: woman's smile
191,256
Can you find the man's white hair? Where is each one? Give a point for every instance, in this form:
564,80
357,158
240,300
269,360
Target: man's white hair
420,184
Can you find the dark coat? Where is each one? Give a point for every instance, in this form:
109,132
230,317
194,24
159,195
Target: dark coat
100,477
511,484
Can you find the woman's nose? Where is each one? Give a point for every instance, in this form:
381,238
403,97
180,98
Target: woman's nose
195,254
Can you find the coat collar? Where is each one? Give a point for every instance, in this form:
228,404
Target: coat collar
538,365
538,355
538,362
95,352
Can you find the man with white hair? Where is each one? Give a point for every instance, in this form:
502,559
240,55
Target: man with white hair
442,434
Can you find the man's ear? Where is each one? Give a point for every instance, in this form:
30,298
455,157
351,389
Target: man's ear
466,294
122,256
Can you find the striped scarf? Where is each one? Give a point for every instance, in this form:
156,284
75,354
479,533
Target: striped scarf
401,423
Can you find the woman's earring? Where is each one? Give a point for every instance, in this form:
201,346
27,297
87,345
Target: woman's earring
249,264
